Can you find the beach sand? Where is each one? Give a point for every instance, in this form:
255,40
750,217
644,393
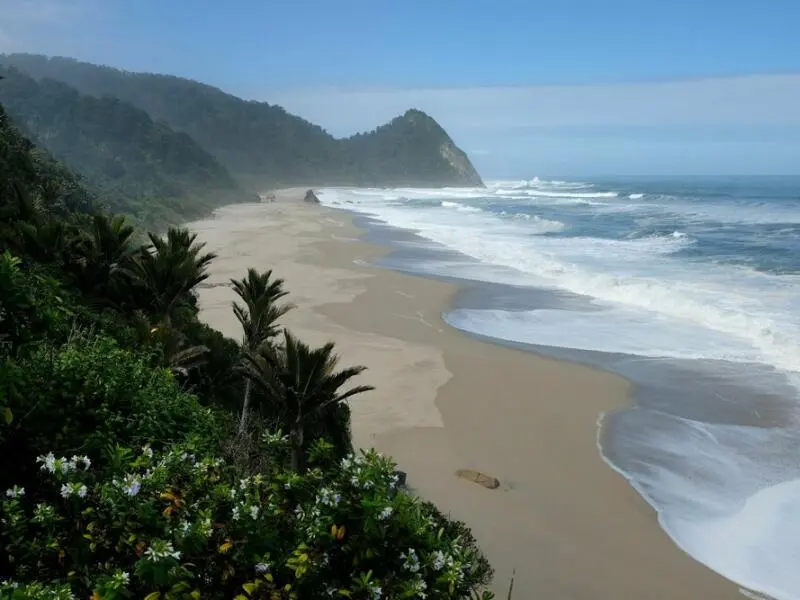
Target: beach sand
570,526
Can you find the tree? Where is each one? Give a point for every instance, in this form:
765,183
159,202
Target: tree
109,249
258,317
168,270
303,381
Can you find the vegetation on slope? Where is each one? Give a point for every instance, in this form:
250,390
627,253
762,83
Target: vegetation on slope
144,455
139,167
264,145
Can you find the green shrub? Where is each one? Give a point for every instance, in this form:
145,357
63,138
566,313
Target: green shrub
87,394
176,526
31,304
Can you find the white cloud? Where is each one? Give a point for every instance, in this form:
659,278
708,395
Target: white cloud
734,124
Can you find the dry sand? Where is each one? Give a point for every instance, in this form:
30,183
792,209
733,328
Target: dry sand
570,526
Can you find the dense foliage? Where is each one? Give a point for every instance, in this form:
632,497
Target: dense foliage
140,167
145,455
264,145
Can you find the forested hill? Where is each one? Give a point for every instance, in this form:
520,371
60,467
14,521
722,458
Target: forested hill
135,165
262,144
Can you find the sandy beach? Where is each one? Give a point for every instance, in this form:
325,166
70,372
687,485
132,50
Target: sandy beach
569,525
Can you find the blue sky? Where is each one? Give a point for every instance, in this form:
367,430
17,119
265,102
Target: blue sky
557,87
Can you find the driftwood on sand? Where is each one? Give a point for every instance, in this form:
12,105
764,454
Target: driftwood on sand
486,481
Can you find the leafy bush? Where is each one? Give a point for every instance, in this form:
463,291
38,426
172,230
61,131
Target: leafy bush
87,394
178,526
30,303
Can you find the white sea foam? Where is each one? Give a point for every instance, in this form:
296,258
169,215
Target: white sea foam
635,196
459,206
766,531
637,274
556,193
611,330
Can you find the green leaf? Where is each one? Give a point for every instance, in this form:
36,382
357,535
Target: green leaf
249,588
153,596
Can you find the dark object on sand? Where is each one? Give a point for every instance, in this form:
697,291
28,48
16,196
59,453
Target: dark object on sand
401,478
311,197
487,481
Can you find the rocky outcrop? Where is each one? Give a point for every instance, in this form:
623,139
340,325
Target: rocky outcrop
311,197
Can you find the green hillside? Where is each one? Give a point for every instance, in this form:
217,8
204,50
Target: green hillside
262,144
136,165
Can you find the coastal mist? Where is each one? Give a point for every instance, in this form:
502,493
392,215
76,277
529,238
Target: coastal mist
689,288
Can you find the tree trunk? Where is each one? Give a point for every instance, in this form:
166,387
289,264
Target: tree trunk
245,405
298,455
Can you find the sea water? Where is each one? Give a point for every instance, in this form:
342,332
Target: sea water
692,287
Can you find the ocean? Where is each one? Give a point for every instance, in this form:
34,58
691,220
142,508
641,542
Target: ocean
689,288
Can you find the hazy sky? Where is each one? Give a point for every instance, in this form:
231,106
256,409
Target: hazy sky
527,88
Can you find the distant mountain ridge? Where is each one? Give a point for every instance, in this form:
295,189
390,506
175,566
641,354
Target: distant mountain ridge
262,145
135,165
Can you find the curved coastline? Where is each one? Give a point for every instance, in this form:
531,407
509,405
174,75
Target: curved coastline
569,525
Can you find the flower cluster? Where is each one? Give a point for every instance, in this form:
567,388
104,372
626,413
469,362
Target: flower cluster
177,520
63,466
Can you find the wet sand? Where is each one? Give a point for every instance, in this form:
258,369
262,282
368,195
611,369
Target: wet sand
570,526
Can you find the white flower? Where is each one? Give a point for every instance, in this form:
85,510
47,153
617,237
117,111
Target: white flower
253,512
232,493
122,577
48,462
438,560
262,568
75,460
131,486
15,492
377,592
419,587
235,513
411,560
73,489
147,451
161,549
386,513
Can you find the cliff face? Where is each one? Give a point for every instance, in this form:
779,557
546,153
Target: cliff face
262,145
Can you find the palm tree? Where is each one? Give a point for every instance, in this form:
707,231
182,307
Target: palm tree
168,270
173,351
109,247
304,382
258,317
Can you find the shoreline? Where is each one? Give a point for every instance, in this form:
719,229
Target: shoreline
570,525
